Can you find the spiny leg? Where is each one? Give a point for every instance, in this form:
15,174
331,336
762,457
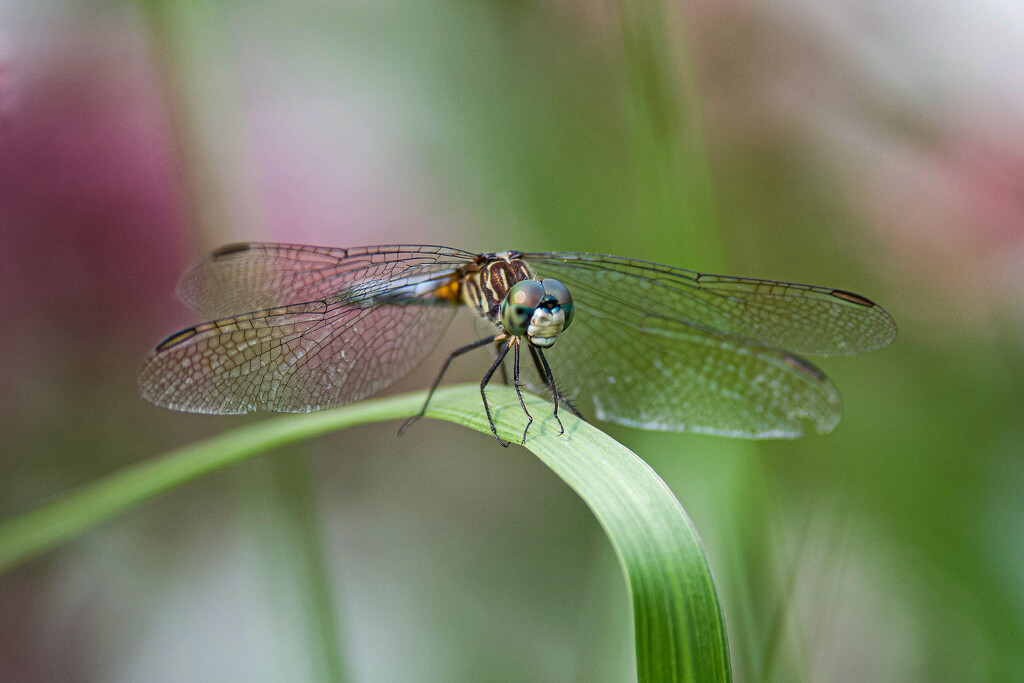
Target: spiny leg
534,351
537,365
483,389
547,370
519,393
548,378
544,370
437,380
504,374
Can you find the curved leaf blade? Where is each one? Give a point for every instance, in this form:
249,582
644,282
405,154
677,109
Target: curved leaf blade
679,628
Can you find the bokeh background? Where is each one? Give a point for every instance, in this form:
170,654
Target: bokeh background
870,145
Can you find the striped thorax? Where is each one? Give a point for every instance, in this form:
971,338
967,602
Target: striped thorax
504,289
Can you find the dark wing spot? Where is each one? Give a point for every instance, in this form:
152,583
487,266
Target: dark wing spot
176,338
852,298
804,367
229,249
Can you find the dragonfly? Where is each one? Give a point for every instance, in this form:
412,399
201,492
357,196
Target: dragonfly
298,328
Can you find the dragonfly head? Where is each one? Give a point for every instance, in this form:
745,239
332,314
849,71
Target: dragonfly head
536,310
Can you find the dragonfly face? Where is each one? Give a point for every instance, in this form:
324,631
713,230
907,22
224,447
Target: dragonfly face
296,328
537,311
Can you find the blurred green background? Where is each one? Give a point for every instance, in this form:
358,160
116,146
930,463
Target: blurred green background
867,145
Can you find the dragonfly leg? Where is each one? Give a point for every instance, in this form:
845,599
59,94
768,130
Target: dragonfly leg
504,374
483,388
519,393
536,364
437,380
550,379
546,376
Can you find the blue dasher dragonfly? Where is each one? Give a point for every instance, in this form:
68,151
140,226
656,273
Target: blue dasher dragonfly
299,328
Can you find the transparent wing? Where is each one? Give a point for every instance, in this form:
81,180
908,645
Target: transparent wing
304,356
804,319
664,348
254,276
694,380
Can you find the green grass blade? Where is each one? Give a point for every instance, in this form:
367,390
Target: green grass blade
680,633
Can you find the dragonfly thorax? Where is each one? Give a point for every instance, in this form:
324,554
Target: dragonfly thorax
487,280
503,289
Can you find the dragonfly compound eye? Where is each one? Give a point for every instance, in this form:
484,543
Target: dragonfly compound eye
554,288
518,306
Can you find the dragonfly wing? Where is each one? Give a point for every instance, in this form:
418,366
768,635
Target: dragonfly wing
665,348
690,380
805,319
256,276
300,357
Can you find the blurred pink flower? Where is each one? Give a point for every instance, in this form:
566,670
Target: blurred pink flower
952,212
92,237
922,132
